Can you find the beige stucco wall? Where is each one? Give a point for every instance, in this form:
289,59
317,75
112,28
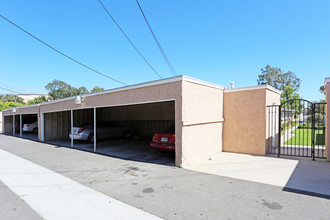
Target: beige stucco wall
202,119
327,115
28,97
157,93
32,109
245,120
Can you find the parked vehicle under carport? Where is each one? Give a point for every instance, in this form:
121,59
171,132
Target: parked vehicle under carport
104,130
164,141
32,127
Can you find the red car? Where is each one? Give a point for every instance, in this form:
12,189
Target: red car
164,141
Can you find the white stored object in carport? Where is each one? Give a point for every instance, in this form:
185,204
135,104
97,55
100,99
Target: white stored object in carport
33,127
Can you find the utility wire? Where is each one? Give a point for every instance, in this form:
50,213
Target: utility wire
121,30
9,90
157,42
19,89
74,60
18,93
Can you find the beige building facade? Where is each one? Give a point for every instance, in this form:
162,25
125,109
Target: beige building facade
28,97
208,118
246,122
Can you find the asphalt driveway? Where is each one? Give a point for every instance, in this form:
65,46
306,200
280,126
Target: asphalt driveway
170,192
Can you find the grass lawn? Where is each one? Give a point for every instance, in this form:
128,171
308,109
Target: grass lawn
304,136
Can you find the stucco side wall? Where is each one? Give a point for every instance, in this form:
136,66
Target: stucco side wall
202,122
245,122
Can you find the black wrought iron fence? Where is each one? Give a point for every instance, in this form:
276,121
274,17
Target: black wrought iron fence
296,128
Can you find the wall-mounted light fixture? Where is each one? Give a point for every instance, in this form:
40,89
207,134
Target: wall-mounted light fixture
77,101
322,89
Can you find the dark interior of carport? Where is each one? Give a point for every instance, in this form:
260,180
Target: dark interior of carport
141,120
26,119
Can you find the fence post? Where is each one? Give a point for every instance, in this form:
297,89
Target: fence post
279,131
313,131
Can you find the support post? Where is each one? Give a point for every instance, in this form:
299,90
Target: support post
42,127
274,126
94,129
3,124
20,125
71,128
313,131
327,119
14,125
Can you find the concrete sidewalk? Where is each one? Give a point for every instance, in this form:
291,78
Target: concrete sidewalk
288,172
54,196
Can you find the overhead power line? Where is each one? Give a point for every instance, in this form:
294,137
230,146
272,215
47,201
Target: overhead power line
121,30
19,89
13,91
9,90
157,42
74,60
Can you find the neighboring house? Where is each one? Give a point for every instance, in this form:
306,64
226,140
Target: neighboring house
28,97
287,115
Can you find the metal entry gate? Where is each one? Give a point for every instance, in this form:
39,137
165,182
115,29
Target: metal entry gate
296,128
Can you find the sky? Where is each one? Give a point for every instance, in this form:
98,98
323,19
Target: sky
215,41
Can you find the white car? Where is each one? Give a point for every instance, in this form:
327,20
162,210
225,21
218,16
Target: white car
33,127
105,130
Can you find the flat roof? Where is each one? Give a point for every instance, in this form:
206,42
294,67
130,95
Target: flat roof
135,86
254,88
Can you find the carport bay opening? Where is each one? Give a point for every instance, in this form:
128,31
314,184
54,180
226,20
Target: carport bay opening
141,120
13,125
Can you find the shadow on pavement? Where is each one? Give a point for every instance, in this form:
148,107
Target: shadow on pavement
310,178
128,149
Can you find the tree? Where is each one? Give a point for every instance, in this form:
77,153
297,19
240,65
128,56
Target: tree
82,90
275,77
97,89
58,90
11,98
6,105
37,100
288,94
296,104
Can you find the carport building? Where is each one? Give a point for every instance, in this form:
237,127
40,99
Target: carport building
195,107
